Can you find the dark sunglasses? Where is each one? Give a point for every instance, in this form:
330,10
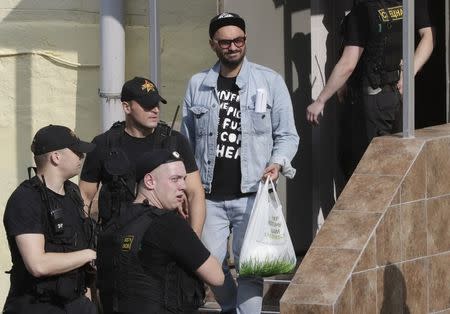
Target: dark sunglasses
226,43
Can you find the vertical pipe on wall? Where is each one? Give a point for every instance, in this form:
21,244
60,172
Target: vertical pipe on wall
220,6
319,35
447,57
154,42
112,68
408,68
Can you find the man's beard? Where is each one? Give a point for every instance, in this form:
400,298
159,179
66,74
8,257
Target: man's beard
231,64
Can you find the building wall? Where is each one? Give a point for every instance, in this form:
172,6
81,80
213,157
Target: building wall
264,41
49,60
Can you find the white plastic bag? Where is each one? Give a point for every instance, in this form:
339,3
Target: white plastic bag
267,249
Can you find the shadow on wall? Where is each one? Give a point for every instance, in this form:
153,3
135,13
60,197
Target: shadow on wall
322,150
394,291
335,131
299,189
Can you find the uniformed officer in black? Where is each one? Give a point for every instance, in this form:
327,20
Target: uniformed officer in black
371,65
149,258
47,230
117,149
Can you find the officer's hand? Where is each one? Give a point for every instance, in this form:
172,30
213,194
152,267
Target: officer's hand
93,265
400,84
88,293
183,209
314,111
273,170
90,255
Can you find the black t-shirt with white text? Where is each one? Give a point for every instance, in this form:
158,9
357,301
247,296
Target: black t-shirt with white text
227,168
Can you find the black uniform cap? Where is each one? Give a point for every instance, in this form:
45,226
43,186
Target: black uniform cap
55,137
149,161
143,91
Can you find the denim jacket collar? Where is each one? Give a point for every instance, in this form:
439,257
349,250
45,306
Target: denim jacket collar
241,80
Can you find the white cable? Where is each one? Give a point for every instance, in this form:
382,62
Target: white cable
50,56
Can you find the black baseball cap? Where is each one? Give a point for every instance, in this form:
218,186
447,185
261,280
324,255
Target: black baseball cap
225,19
149,161
54,137
143,91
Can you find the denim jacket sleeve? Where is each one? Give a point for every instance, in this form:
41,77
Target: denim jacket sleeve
187,123
284,132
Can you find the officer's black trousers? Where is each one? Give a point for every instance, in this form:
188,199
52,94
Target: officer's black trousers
371,116
29,305
382,113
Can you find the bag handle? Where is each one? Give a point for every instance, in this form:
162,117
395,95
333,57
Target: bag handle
275,194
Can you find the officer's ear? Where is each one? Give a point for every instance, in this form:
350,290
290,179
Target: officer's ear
126,106
55,157
149,181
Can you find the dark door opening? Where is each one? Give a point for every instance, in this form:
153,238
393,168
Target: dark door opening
431,80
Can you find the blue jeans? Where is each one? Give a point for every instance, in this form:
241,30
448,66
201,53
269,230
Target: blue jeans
223,217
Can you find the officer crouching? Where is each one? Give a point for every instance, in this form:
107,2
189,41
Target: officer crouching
149,259
44,222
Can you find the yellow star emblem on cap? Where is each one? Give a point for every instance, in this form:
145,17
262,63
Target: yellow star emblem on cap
148,86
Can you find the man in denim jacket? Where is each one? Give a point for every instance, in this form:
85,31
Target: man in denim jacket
238,117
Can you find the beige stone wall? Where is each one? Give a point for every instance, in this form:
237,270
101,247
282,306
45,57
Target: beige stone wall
385,247
49,57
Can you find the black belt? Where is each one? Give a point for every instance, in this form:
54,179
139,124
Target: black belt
368,90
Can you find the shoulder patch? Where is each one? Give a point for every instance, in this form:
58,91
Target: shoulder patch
127,243
395,13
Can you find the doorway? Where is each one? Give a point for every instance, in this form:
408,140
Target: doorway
431,81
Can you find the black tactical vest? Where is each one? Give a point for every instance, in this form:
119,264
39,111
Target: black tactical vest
68,286
136,281
119,191
380,62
